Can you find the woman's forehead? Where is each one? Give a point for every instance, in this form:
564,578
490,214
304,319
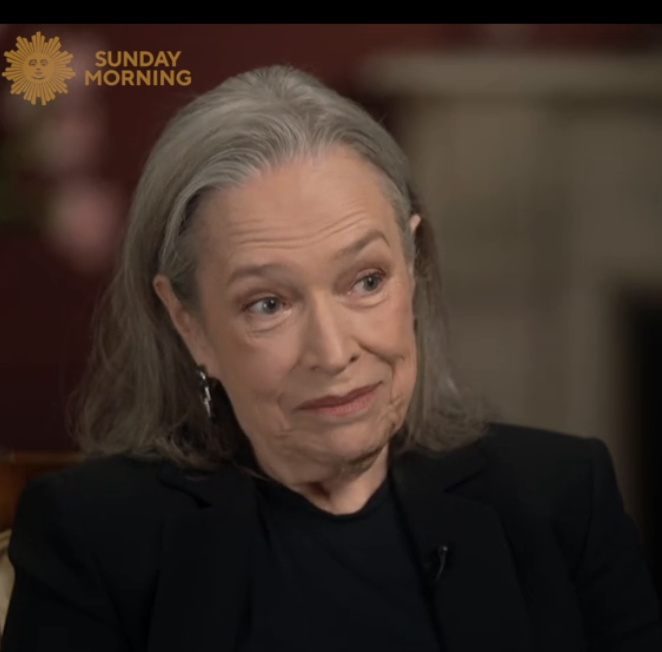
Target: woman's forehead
306,204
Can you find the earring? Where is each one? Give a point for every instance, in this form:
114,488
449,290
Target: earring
205,389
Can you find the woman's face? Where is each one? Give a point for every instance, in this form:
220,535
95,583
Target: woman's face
305,292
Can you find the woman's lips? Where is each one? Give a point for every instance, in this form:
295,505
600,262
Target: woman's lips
350,403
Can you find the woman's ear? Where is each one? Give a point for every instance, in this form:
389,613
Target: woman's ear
185,324
414,222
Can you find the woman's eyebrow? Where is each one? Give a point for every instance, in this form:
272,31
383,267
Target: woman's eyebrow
356,247
260,270
266,269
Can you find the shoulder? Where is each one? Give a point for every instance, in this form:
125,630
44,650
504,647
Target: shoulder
536,456
105,514
549,479
104,492
547,470
543,482
509,442
523,472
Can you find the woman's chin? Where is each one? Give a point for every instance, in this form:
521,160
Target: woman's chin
353,449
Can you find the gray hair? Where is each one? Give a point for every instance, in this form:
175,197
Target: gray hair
140,395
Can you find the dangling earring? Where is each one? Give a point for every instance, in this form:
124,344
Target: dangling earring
205,389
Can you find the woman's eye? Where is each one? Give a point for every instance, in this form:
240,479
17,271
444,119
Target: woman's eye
269,306
266,306
371,282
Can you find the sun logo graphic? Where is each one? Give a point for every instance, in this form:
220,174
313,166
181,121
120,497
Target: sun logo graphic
38,69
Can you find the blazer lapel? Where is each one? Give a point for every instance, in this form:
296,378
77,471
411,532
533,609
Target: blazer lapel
205,566
463,549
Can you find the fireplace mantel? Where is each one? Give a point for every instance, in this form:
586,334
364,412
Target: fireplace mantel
502,76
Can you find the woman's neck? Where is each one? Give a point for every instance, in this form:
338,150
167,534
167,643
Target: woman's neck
338,490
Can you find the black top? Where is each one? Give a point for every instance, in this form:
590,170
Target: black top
328,582
124,555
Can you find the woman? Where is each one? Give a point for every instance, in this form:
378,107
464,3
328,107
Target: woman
282,458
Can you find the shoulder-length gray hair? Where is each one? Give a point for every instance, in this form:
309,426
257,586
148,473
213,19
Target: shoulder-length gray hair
140,395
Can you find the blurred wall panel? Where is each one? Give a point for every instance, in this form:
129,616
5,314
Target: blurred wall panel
542,178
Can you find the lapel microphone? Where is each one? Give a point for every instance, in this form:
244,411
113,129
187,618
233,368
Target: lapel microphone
438,563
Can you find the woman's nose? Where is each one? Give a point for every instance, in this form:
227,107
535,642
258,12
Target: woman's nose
328,342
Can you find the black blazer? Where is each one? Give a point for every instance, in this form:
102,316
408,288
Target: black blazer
122,555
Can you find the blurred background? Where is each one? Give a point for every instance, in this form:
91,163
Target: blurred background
538,149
